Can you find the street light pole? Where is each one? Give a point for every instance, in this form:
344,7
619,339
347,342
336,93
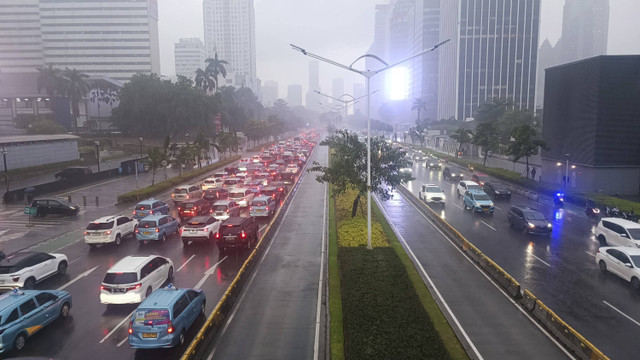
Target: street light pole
6,171
566,173
367,74
140,138
98,153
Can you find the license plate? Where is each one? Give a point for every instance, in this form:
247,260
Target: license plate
230,239
1,281
258,210
149,335
192,231
146,233
485,209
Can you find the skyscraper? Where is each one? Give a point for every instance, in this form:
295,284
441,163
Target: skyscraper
294,95
312,98
269,92
116,41
189,56
229,31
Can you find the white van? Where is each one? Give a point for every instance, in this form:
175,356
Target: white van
618,232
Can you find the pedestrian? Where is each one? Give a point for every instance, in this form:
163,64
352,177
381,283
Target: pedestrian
533,173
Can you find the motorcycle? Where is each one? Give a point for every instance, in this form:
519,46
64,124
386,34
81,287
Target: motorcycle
558,199
613,212
631,216
591,210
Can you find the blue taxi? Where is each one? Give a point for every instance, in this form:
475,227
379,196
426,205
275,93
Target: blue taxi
478,201
163,318
24,312
150,207
156,228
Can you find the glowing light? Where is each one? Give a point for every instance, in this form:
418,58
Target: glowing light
397,78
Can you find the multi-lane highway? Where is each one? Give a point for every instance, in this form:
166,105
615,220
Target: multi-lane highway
560,270
93,330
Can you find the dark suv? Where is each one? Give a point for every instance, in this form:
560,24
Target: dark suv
73,172
453,175
497,190
237,231
529,220
213,195
194,207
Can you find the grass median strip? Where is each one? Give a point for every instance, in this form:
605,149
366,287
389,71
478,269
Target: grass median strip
387,311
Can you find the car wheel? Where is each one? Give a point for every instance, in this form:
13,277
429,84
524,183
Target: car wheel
118,240
635,283
30,283
170,275
62,267
92,246
64,310
603,266
602,240
458,190
164,238
19,342
149,291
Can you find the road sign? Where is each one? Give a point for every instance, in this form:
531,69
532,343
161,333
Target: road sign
30,210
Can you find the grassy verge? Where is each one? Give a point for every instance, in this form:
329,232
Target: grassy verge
385,314
335,295
157,188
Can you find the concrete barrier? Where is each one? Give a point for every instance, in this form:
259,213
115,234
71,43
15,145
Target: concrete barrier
553,323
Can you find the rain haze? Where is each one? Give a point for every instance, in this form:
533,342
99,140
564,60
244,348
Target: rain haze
342,31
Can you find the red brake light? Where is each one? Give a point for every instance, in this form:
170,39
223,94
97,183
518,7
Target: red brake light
150,211
133,213
179,208
243,235
267,208
217,235
173,195
134,287
157,230
181,230
227,210
250,208
137,231
131,327
108,232
86,233
195,208
187,196
101,287
169,327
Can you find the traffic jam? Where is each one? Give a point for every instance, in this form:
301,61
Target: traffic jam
213,224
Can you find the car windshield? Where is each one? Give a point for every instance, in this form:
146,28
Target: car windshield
236,194
146,224
152,317
533,215
189,205
100,226
143,207
118,278
259,203
635,233
230,182
482,197
212,181
474,187
180,191
433,189
219,207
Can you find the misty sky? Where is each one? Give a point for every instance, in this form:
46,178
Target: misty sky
342,30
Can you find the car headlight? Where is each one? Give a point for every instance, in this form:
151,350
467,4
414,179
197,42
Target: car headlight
491,204
531,225
549,225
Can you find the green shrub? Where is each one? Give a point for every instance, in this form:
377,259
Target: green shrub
46,127
155,189
352,232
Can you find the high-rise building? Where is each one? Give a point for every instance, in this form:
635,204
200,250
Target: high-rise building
189,56
312,98
269,92
337,89
116,41
294,95
229,31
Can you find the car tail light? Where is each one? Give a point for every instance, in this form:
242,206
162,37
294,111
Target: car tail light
133,213
102,287
267,208
187,196
137,231
134,287
250,208
15,279
108,232
151,212
227,211
86,233
173,195
217,235
179,208
281,189
243,234
195,208
181,230
157,230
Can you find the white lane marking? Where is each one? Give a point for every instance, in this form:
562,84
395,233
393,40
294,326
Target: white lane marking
186,262
455,246
116,328
123,340
497,207
621,313
208,273
323,253
71,262
542,261
588,253
458,206
4,232
490,227
253,276
263,227
84,274
89,187
433,286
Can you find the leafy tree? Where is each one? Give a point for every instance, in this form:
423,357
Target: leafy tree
154,159
75,87
487,137
46,127
512,119
462,136
349,166
493,109
526,143
184,154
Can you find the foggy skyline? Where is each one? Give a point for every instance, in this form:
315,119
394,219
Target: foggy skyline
346,36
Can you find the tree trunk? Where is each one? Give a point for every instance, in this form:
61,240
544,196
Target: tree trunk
526,158
486,153
354,209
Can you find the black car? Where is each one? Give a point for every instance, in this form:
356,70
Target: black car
433,163
73,172
231,170
54,206
273,192
237,232
282,187
213,195
287,178
529,220
497,190
194,207
452,175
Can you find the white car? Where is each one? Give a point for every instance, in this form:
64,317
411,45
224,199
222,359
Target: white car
618,232
291,168
242,196
200,228
211,183
465,185
133,278
622,261
25,269
431,193
109,229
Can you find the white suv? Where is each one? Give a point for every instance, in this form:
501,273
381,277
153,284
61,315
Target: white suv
109,229
200,228
211,183
465,185
242,196
431,193
134,278
618,232
25,269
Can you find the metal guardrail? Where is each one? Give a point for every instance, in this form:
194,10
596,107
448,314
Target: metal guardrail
197,348
580,346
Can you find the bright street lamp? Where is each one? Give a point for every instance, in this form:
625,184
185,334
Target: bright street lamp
367,74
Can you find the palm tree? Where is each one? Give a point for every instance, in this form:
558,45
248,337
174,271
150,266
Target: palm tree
419,105
75,88
50,79
214,68
204,80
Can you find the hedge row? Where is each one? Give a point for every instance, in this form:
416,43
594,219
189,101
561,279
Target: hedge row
155,189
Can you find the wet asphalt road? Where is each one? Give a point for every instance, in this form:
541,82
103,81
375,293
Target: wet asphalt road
560,270
93,330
